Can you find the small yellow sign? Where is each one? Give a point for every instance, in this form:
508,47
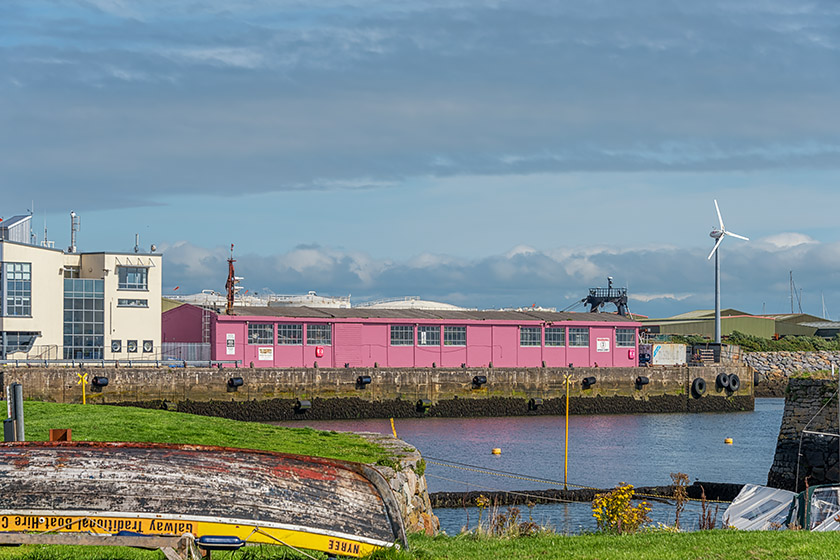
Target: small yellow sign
83,382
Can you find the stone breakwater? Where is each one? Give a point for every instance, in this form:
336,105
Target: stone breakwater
350,408
772,369
809,404
405,474
262,394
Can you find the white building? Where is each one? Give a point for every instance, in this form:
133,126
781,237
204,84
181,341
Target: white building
56,304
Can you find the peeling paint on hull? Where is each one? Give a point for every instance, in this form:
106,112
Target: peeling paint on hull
262,497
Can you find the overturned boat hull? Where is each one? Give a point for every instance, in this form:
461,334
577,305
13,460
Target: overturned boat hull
148,489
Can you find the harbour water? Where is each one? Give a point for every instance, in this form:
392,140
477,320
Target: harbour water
641,449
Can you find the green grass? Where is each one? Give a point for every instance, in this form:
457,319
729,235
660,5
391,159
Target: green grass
117,423
107,423
705,545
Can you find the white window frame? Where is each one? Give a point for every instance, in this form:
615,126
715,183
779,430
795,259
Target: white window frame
454,335
425,334
402,335
629,339
319,334
527,338
577,335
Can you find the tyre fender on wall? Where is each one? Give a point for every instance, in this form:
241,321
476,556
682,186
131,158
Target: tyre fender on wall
722,381
734,382
698,387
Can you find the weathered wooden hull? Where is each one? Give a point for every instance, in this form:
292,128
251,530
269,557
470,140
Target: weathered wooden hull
149,489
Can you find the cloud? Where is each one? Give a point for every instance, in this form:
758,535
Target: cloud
645,298
280,96
787,240
661,282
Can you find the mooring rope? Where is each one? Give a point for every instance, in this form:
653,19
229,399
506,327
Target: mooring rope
514,492
516,476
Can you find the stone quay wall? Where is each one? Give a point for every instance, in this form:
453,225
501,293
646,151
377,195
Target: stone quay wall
406,477
270,394
809,405
772,369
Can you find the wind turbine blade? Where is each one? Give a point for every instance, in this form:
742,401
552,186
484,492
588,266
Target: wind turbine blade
719,241
720,219
738,236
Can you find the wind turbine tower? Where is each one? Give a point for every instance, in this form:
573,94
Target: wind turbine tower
718,234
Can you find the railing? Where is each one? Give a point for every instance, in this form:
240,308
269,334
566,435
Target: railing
190,351
120,363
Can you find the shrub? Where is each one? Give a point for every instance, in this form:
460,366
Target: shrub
615,513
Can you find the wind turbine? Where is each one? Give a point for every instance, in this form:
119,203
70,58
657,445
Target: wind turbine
719,234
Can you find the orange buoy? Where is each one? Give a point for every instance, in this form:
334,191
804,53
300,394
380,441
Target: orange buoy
728,441
497,451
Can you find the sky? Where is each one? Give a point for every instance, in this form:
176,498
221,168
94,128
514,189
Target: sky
483,153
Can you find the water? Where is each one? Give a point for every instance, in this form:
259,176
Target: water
641,449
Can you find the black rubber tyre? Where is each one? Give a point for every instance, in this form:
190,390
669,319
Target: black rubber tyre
722,381
698,387
734,382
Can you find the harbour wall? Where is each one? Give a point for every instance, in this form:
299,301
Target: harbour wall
405,474
271,394
772,369
809,405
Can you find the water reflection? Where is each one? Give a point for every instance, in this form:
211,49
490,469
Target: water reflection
642,449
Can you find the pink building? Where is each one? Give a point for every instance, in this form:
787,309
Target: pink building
393,338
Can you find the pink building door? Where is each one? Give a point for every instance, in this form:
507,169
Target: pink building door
348,344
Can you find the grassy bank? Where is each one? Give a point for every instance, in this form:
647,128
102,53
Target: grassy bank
707,545
106,423
116,423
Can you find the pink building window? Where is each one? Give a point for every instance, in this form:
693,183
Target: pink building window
625,338
428,336
530,336
290,335
555,336
454,336
319,334
579,337
402,335
260,333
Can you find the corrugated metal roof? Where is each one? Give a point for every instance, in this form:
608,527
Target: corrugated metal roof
14,220
367,313
822,324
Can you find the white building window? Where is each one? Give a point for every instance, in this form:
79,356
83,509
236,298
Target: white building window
125,302
133,277
16,289
579,337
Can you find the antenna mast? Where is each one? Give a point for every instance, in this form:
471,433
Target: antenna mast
230,285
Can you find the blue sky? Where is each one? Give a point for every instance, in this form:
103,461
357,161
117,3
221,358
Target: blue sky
485,153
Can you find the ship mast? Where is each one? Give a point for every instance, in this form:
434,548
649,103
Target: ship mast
230,285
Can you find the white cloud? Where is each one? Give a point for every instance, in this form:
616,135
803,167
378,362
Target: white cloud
645,298
237,57
520,250
788,240
661,282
